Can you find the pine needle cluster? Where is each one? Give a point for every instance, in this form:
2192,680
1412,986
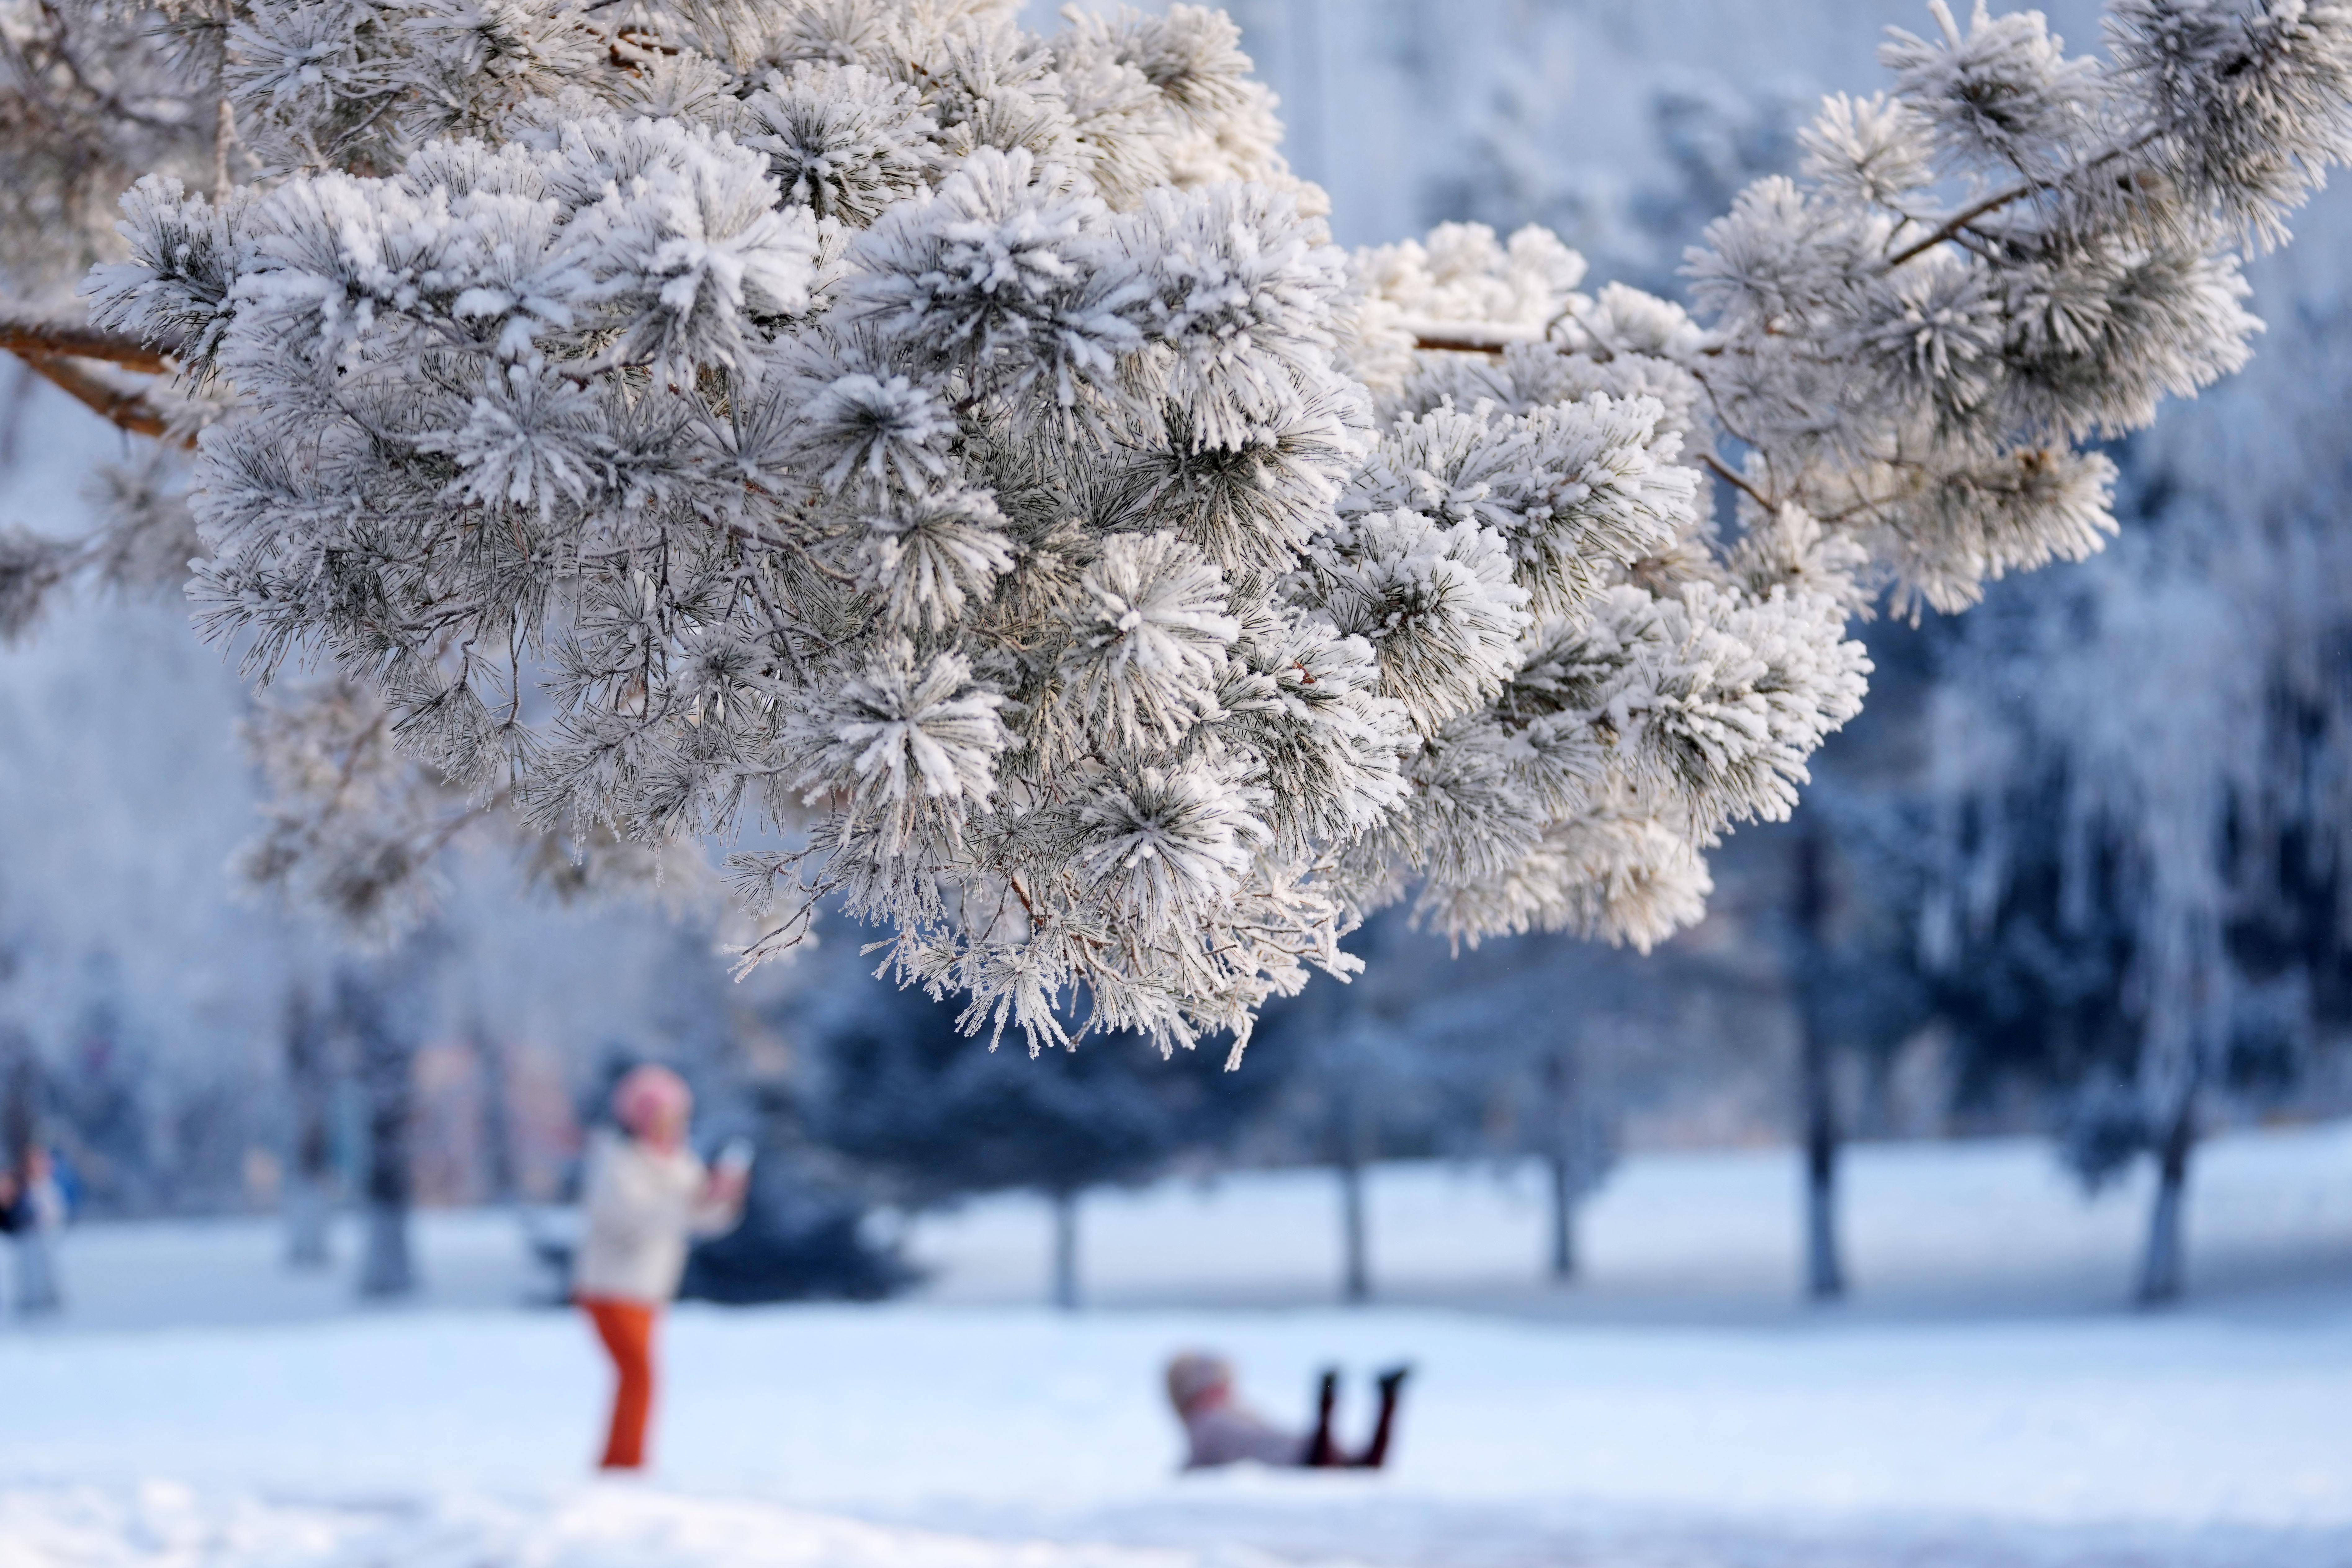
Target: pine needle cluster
961,452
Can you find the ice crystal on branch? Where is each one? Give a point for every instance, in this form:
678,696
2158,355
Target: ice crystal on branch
959,452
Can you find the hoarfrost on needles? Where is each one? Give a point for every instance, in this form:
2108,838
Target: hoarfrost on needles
960,451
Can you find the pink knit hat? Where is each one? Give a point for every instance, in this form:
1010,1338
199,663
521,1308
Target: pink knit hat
649,1095
1196,1375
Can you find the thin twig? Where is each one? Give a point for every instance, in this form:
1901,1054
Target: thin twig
1460,346
1736,480
1950,228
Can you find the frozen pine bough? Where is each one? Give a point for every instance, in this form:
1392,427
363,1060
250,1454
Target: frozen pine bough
957,454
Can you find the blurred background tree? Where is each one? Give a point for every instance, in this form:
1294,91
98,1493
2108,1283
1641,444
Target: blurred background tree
900,1092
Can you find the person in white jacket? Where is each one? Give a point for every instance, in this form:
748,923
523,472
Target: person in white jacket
646,1199
1219,1429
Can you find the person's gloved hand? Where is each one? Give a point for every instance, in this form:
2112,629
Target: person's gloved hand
728,1186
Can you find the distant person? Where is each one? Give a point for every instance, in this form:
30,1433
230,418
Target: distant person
1221,1430
33,1208
646,1197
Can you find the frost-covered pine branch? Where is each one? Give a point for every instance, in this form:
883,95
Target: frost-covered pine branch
91,99
144,539
357,829
959,450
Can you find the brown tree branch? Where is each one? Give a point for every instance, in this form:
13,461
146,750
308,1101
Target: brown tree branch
1961,221
129,410
1950,228
47,339
1459,346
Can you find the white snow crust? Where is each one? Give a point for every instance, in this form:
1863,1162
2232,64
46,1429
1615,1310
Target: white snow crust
1941,1428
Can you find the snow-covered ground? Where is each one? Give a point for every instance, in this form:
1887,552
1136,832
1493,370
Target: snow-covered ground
1933,1231
1933,1423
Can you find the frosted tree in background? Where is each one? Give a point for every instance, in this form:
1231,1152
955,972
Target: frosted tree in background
310,1169
2139,791
375,1012
890,1087
956,451
2087,894
1521,1051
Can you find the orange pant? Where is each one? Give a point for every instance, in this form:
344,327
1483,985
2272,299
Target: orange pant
627,1330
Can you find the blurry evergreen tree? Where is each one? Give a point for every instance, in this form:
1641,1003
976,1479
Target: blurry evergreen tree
1529,1047
901,1091
2138,914
1852,981
1362,1084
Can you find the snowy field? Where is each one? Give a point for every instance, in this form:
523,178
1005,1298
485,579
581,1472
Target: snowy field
1983,1404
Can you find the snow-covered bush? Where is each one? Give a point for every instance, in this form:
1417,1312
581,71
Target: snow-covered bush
959,450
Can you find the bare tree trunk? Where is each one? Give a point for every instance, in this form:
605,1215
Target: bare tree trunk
1875,1118
1825,1264
1353,1139
1065,1250
500,1171
387,1068
1563,1221
1356,1277
1560,1080
19,1120
2163,1265
309,1198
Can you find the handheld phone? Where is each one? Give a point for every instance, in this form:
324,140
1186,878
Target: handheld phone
735,1156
